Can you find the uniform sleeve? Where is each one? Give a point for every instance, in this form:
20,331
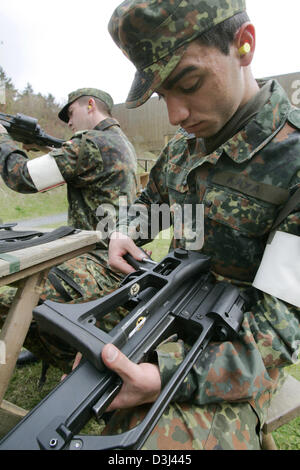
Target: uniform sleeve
138,219
79,161
76,161
13,166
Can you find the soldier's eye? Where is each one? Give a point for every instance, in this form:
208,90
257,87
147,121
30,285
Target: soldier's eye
191,89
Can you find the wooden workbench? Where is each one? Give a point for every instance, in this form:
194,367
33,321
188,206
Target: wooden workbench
29,267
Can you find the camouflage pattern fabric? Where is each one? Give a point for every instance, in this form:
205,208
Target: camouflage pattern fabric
238,219
186,426
165,29
99,166
94,92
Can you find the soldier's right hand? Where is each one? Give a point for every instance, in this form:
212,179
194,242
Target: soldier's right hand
2,129
119,246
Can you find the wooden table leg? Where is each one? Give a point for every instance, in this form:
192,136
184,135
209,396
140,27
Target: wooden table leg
16,325
10,415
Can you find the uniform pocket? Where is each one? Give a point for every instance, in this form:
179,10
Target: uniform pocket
177,184
245,214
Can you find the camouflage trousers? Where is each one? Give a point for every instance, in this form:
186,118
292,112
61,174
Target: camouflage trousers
183,426
224,426
78,280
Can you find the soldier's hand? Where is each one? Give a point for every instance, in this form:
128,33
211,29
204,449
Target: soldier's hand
141,382
2,129
119,246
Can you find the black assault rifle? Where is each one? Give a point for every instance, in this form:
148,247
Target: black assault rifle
176,295
26,129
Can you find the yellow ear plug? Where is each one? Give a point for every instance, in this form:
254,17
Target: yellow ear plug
245,49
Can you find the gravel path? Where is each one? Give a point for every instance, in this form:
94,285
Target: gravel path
43,221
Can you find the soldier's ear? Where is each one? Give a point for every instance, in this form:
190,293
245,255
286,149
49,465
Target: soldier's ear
91,103
244,42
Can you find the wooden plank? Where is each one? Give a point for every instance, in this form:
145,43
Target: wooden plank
46,264
10,415
34,264
285,406
17,324
37,254
268,442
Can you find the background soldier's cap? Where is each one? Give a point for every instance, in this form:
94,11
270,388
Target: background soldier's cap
101,95
154,34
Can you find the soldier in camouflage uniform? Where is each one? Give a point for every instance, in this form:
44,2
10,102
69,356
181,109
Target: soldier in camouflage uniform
239,156
99,166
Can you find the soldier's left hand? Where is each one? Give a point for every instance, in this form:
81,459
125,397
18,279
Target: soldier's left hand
141,382
2,129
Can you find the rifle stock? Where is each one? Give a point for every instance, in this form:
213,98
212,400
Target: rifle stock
26,129
176,295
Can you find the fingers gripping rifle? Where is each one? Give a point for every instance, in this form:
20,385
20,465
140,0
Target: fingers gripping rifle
175,295
26,129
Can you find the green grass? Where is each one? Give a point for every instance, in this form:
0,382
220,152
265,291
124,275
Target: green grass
288,436
15,206
23,389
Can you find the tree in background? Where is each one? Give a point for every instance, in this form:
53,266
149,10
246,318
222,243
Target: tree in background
15,206
10,92
43,108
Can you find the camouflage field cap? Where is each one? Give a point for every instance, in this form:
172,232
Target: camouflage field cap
154,34
101,95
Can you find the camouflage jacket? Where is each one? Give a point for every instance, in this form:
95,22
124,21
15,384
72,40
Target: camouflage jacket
98,166
242,186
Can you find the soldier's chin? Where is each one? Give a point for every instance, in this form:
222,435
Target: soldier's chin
203,129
